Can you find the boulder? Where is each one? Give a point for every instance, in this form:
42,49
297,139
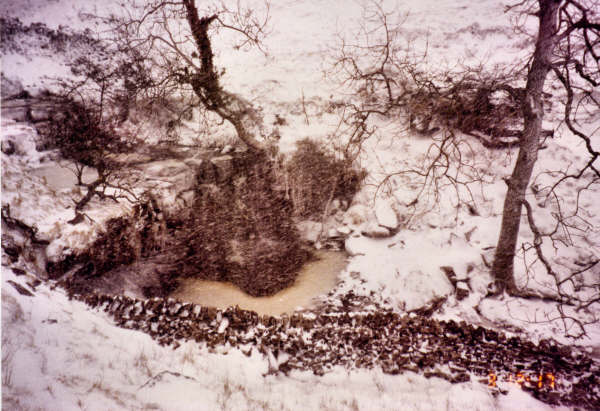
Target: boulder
374,230
462,291
358,245
8,147
386,215
165,168
357,215
227,149
194,163
309,230
344,230
333,233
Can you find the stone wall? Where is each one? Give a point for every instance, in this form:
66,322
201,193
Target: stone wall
349,336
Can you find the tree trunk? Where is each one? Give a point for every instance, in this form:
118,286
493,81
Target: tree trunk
532,108
205,83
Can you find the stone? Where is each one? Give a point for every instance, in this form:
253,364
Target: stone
223,167
194,163
386,215
357,245
309,230
357,215
374,230
227,149
462,291
39,114
344,230
8,147
20,289
165,168
333,233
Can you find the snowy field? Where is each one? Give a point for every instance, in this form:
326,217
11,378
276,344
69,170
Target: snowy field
58,354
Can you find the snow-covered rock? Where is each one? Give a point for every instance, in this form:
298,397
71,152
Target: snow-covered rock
357,215
332,233
344,230
374,230
357,245
417,288
165,168
227,149
385,214
309,230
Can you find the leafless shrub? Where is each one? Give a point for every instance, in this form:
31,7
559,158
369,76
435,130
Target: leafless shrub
315,177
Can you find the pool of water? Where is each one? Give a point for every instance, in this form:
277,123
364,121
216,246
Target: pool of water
316,278
60,176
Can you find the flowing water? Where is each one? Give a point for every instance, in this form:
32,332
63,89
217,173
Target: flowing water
315,278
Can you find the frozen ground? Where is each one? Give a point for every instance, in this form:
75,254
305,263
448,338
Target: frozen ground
58,354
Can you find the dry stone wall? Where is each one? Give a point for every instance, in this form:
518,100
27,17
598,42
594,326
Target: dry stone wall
351,337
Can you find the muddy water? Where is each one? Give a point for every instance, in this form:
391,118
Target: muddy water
316,278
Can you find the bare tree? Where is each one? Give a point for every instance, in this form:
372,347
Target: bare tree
567,44
559,23
176,38
391,83
454,106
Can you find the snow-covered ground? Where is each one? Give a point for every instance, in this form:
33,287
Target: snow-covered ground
59,354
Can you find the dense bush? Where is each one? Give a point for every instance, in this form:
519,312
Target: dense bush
316,176
243,232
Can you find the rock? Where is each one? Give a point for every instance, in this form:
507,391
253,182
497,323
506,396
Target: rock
450,274
357,214
38,115
357,245
333,233
462,291
165,168
309,230
223,168
20,289
8,147
373,230
386,215
227,149
344,230
194,163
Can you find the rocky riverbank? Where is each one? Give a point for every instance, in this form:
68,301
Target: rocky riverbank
353,337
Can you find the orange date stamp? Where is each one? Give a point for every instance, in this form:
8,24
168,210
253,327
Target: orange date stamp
540,380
